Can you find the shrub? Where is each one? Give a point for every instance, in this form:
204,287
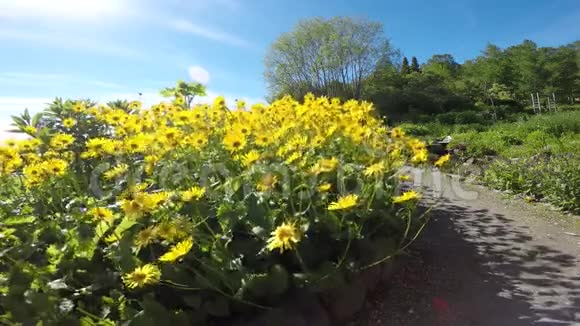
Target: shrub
415,129
554,179
183,215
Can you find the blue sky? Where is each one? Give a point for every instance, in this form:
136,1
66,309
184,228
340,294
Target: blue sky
106,49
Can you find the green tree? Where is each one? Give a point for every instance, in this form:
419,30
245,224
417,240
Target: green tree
415,65
330,57
186,90
405,69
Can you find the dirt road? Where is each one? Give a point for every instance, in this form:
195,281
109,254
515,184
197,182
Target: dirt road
484,260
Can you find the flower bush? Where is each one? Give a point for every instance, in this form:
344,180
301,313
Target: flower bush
183,215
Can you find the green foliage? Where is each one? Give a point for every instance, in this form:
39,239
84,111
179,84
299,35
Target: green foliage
498,83
331,57
185,90
405,68
536,156
553,179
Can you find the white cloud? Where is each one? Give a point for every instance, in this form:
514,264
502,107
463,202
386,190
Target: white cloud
16,105
185,26
198,74
81,10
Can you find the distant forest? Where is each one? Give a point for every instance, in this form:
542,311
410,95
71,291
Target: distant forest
352,58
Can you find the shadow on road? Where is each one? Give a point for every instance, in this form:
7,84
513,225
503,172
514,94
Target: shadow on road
475,267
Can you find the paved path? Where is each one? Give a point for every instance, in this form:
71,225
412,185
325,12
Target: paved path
484,261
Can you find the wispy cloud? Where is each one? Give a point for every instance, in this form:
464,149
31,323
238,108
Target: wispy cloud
52,79
185,26
81,10
61,41
15,105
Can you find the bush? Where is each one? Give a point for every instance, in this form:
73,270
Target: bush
415,130
555,179
177,215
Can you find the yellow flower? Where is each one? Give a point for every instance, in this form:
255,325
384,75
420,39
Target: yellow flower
101,213
192,193
134,105
30,130
325,165
234,141
267,182
137,144
116,171
61,141
145,275
420,156
180,100
168,231
250,157
178,251
324,187
442,160
134,207
55,166
405,177
406,196
146,236
69,122
78,107
397,133
262,140
293,157
198,140
343,202
376,169
318,140
284,237
33,171
97,147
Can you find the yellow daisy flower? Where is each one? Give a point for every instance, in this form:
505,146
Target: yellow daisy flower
192,193
343,202
69,122
405,177
101,213
145,275
234,141
55,166
178,251
250,157
324,187
406,196
397,133
375,170
419,156
267,182
442,160
146,236
284,237
325,165
116,171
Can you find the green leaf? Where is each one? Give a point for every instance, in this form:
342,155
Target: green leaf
16,220
126,223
